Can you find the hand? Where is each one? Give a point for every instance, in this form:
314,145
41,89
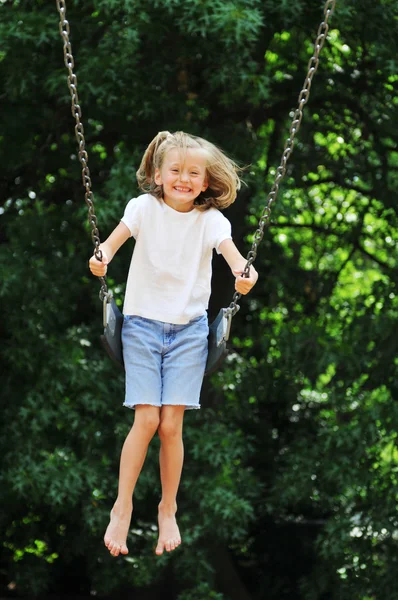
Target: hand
243,285
98,267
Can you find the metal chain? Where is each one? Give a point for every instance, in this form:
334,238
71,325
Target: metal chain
295,126
79,131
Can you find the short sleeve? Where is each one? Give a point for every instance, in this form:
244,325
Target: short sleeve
220,230
132,216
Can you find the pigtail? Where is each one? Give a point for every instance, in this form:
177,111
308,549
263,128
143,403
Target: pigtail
146,171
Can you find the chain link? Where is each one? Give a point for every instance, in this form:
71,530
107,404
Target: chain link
294,127
79,132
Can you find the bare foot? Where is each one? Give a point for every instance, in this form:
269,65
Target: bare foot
169,534
117,530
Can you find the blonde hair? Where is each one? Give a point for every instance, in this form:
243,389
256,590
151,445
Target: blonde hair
221,171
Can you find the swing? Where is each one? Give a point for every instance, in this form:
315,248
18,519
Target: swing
219,330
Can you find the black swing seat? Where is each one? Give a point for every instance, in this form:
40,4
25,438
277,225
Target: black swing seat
218,337
112,336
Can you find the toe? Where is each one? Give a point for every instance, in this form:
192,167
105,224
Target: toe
168,546
159,549
124,549
113,548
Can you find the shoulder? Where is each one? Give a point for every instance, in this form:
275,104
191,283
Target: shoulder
216,217
141,204
142,200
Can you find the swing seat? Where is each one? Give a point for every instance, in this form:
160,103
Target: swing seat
218,337
112,336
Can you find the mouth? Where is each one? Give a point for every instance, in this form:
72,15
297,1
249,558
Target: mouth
183,189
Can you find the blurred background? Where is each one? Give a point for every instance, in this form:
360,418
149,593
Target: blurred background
290,484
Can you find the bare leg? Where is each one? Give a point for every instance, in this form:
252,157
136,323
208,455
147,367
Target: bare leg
132,458
171,460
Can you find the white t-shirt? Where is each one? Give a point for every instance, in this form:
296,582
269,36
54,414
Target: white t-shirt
170,271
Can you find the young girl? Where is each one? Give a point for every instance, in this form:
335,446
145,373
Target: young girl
176,224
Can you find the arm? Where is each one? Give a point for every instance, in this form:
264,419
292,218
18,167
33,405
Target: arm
237,263
119,235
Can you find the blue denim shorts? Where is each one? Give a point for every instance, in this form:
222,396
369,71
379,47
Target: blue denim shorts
164,363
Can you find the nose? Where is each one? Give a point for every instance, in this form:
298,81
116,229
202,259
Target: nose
184,175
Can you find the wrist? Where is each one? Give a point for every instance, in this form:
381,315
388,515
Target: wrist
105,249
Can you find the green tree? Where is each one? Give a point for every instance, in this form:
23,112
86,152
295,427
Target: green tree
289,487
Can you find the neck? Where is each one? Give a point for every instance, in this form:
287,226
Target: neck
179,207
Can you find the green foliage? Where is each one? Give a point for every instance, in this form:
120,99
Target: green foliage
201,591
289,485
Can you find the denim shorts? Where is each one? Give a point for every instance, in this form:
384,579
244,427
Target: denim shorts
164,363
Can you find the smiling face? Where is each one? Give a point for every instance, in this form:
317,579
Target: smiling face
183,177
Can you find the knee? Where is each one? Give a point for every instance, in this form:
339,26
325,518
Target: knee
147,419
169,429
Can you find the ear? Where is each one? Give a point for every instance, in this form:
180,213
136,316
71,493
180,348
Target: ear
205,185
158,177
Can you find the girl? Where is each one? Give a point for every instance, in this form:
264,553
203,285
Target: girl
176,225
